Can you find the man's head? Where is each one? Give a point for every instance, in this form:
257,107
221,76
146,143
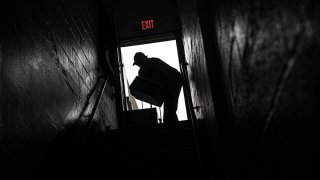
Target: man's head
139,59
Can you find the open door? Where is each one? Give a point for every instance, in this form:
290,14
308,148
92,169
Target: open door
167,52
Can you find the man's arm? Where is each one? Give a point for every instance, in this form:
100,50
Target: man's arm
142,72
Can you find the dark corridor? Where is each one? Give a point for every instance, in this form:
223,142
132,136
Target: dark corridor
250,77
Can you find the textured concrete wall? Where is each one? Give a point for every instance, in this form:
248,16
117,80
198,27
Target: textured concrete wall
268,55
198,76
49,66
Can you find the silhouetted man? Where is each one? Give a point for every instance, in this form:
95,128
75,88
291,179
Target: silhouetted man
171,80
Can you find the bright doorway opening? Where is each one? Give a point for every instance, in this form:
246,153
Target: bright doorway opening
167,52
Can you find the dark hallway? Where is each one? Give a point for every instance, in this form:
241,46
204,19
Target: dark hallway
251,84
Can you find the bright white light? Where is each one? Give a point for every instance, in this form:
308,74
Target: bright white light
167,52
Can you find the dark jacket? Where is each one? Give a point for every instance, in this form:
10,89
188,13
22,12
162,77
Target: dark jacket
157,70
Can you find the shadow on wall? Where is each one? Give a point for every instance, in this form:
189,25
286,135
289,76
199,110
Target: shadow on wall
269,51
49,64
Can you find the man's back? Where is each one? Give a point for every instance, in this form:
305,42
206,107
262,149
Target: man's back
157,70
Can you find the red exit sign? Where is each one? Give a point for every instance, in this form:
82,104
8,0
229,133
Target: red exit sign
147,24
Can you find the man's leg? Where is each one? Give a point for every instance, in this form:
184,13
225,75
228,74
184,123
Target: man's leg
169,112
170,107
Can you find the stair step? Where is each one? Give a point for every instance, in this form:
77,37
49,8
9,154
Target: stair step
156,152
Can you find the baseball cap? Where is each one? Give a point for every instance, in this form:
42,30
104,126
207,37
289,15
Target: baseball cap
137,56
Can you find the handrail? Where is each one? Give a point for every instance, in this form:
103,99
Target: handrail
93,112
89,122
188,98
89,96
95,107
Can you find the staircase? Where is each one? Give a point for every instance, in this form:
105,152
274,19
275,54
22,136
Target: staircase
153,152
158,152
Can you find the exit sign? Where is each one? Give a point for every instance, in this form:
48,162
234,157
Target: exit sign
147,25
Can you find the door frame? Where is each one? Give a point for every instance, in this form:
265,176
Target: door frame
182,63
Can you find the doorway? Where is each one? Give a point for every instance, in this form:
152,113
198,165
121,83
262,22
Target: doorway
167,52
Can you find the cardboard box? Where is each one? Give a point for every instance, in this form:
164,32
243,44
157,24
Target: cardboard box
147,91
141,118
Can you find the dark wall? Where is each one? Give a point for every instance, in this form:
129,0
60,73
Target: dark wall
262,58
270,54
198,76
49,67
